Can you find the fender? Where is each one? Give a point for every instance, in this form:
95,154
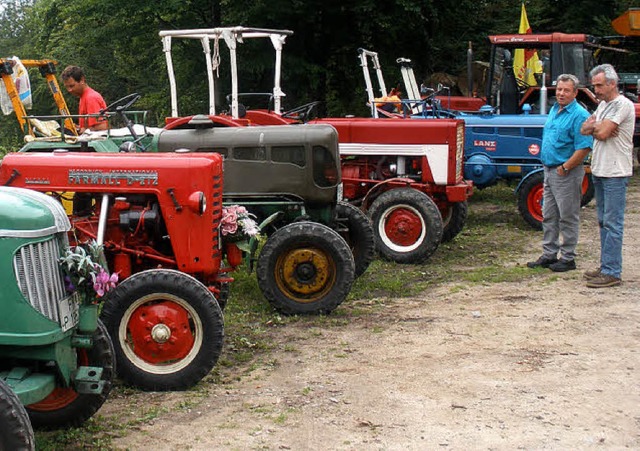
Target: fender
173,123
535,171
378,188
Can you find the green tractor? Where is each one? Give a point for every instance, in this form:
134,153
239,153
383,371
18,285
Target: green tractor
56,358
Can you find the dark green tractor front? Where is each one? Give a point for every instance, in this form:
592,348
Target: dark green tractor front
56,359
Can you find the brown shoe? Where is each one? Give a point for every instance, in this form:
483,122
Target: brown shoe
603,281
588,275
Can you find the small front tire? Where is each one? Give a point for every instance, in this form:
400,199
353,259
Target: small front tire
407,225
167,329
304,268
64,406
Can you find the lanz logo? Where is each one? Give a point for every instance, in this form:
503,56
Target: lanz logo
488,145
534,149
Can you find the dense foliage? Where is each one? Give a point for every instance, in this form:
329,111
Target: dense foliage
117,43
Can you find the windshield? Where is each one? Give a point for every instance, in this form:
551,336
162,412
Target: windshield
573,59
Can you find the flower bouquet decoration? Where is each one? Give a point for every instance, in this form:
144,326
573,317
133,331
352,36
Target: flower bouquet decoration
84,273
237,228
238,224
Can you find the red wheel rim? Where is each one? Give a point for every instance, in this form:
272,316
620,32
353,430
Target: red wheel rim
585,185
534,202
61,397
403,226
160,332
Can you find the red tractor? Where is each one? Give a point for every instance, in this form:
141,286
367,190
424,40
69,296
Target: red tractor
561,53
158,217
406,175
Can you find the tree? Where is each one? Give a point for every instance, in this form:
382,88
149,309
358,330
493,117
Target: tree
117,42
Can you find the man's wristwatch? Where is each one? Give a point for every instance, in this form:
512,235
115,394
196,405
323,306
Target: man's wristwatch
565,170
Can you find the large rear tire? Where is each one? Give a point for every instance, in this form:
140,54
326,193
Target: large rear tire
16,433
359,235
304,268
530,200
167,329
64,406
454,217
407,225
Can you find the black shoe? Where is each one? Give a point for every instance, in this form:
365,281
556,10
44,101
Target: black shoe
563,265
542,262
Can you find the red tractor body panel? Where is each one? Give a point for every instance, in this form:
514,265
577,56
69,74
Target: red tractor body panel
461,103
426,155
177,182
536,39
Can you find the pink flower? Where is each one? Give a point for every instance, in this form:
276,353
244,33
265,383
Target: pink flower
229,221
103,282
237,220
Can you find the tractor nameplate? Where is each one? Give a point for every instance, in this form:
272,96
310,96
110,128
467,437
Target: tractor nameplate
116,177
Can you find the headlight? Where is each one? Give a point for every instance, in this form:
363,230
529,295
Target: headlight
198,202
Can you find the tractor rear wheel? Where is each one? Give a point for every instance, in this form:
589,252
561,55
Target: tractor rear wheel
359,235
167,329
453,217
530,200
16,432
407,225
305,267
65,406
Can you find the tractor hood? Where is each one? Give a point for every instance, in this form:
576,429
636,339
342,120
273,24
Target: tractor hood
30,214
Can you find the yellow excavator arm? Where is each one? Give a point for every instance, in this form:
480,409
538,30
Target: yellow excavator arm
47,70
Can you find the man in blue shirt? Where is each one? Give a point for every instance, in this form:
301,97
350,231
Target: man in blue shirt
563,152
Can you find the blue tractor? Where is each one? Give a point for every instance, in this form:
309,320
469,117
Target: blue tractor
507,147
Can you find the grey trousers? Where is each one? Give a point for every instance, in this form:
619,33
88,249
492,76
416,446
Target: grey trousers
561,212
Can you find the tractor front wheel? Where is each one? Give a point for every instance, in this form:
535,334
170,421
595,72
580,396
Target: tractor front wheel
530,200
359,235
407,225
305,267
167,329
66,407
16,432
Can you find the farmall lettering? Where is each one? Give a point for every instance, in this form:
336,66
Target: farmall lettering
489,146
114,177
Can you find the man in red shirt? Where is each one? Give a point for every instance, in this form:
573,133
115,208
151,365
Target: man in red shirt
91,102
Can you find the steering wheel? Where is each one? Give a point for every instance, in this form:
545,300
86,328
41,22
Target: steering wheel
522,85
121,104
301,113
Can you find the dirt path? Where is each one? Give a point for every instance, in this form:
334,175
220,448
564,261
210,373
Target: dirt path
547,363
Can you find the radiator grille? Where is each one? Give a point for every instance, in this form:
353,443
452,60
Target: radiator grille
39,276
459,151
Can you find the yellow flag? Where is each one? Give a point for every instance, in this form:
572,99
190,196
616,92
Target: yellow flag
525,61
